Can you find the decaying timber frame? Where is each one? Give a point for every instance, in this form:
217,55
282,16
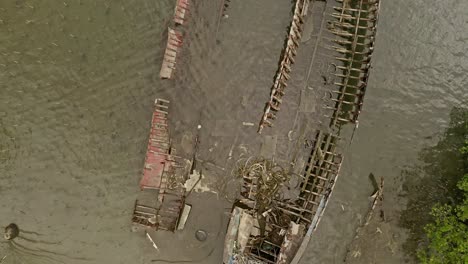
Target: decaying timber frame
276,232
174,44
283,73
164,175
181,11
354,25
161,203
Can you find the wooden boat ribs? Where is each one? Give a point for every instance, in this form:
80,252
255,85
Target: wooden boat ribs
284,70
322,168
279,230
174,44
354,25
181,11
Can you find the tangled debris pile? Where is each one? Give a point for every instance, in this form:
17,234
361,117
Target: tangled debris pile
262,227
263,181
278,210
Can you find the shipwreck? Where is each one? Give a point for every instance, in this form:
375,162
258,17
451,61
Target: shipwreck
278,210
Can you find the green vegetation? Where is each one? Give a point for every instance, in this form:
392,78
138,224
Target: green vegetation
437,193
448,234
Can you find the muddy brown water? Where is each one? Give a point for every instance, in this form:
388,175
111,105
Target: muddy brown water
417,78
77,83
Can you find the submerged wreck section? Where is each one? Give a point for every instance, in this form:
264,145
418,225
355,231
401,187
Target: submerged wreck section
158,148
175,39
181,11
174,44
354,25
278,210
284,70
162,199
348,37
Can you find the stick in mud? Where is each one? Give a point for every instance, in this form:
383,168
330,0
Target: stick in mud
377,196
150,239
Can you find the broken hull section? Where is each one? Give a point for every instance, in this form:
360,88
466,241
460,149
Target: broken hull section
278,233
161,201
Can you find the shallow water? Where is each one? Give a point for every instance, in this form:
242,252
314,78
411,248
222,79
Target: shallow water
77,80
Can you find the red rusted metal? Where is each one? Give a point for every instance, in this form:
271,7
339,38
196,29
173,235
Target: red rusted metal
158,148
163,174
181,11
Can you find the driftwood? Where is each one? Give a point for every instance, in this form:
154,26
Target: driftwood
152,241
377,196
